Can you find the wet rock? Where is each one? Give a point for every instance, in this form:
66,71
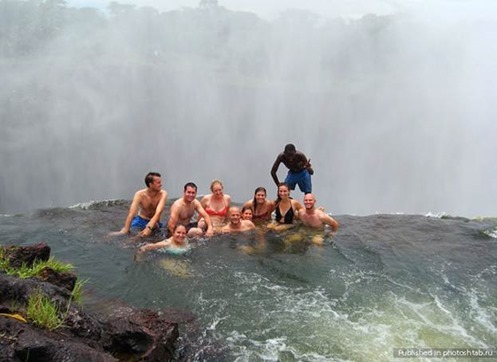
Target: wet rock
27,255
129,334
65,280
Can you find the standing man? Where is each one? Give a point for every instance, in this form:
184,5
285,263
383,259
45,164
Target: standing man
147,206
183,209
299,169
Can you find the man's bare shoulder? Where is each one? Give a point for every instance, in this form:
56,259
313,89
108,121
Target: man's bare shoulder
177,203
141,193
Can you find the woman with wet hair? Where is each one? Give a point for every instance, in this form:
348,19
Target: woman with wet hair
261,206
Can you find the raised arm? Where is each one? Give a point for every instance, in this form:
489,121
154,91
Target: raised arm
158,212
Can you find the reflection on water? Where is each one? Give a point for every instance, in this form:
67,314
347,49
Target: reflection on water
383,282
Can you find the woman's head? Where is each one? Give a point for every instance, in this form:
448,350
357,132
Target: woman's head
260,195
179,232
283,190
217,187
247,213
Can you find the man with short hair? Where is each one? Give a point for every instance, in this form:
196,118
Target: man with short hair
147,206
183,209
236,223
299,169
315,218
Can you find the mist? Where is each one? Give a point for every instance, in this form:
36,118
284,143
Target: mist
395,111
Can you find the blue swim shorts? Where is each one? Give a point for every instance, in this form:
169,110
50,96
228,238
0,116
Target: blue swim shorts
139,223
302,178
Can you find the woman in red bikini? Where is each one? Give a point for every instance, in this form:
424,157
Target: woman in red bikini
261,206
216,205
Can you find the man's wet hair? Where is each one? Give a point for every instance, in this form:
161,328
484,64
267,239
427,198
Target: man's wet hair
290,148
190,184
149,178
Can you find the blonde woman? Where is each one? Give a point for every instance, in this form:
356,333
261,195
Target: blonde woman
216,205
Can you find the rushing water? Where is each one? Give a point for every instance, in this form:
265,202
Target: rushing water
383,282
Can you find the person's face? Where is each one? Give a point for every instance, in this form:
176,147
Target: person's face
247,214
235,216
283,192
309,202
179,234
190,194
156,183
217,190
260,197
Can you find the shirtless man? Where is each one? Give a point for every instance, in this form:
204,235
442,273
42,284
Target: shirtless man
236,223
299,169
147,206
315,218
183,209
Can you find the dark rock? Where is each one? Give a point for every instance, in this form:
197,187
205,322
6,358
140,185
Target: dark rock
28,255
128,334
65,280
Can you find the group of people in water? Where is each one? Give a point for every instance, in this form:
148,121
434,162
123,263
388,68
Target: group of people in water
216,214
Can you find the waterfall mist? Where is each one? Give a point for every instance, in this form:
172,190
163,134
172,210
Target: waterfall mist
396,112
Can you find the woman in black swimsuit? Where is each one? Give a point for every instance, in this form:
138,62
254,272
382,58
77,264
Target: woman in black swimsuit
286,208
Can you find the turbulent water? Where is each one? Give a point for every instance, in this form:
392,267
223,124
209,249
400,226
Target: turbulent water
383,282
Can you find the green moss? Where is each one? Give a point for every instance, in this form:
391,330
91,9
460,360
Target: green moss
28,272
77,292
43,312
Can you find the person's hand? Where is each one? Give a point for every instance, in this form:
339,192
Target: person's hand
145,232
308,166
209,232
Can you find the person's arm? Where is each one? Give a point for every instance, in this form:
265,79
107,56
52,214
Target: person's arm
275,167
327,219
201,211
155,219
297,206
309,168
133,209
173,218
159,245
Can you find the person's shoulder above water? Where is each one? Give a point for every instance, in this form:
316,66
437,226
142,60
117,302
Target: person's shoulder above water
146,207
236,223
313,217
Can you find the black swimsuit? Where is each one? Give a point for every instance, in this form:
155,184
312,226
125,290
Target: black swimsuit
288,218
